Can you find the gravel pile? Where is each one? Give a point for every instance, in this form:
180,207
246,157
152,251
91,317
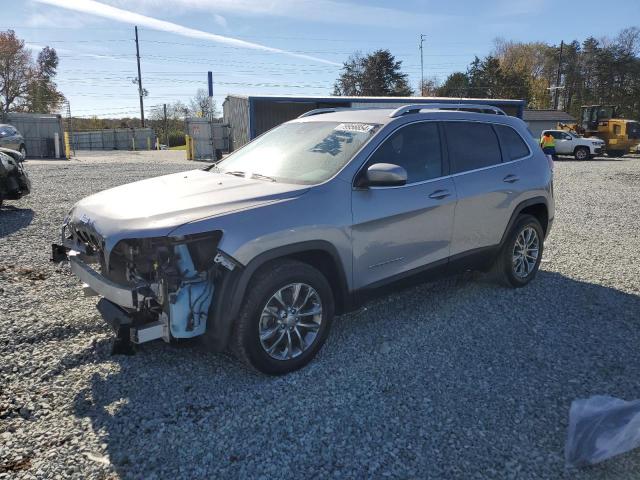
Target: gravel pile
454,379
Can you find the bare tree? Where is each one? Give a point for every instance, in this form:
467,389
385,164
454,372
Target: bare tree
429,87
201,105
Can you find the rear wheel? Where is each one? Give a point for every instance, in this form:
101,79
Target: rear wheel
581,153
520,256
615,153
23,151
285,318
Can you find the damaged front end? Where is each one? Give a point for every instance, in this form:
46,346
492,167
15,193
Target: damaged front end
151,287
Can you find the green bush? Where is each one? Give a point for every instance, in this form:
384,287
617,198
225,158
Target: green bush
176,139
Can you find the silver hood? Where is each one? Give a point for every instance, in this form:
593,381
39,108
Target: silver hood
156,206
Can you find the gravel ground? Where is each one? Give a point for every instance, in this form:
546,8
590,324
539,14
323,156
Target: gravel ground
453,379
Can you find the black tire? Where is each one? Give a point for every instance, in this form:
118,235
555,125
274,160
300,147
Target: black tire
23,151
615,153
246,344
581,153
504,269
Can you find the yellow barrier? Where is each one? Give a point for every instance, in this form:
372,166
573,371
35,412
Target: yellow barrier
187,140
67,145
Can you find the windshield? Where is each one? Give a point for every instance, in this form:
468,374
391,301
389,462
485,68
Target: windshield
299,152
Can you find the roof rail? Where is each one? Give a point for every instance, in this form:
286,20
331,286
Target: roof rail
317,111
405,109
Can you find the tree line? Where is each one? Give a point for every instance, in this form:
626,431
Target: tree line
27,83
595,71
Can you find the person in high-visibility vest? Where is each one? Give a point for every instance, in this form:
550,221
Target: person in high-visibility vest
548,144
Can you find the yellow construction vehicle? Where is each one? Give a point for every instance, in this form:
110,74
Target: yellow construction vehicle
602,121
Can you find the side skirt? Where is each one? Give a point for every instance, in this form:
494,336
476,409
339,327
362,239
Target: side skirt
480,259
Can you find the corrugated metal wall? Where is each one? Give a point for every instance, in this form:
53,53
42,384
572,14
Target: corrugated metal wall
115,139
39,132
249,116
268,114
236,115
207,136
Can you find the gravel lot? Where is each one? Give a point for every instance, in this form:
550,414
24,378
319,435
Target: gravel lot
454,379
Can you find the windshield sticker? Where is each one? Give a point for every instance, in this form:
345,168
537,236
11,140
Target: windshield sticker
355,127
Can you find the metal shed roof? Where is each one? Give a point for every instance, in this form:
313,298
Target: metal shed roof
547,115
307,98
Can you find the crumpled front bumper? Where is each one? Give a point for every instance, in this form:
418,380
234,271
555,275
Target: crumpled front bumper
123,296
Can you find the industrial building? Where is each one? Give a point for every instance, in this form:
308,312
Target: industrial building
250,116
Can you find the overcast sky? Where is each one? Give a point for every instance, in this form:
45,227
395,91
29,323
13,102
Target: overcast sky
277,46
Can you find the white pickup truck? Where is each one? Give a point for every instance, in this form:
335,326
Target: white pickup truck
581,148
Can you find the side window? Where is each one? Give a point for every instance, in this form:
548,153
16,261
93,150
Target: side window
557,135
416,148
471,145
4,132
512,143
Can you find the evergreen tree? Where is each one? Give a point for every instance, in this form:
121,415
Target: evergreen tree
376,74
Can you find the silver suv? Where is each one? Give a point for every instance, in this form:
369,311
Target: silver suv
258,252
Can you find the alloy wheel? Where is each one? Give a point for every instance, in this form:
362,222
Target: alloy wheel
290,321
525,252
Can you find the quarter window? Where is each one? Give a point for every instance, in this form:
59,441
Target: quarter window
512,143
471,145
416,148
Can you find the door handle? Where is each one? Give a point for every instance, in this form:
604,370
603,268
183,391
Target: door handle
439,194
511,178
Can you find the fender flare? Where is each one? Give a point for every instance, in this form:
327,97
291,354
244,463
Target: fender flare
231,290
518,210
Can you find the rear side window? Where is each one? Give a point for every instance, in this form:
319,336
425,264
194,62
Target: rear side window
512,143
471,145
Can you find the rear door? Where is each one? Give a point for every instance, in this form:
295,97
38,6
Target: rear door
488,189
401,229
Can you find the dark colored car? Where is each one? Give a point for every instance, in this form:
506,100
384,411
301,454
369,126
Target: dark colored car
14,180
11,138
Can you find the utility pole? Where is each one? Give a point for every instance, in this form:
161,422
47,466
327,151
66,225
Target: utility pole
139,80
422,37
558,78
166,130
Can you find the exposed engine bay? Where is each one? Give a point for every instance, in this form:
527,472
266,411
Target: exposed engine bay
152,287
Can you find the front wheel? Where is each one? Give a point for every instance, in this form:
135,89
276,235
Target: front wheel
285,318
520,256
581,153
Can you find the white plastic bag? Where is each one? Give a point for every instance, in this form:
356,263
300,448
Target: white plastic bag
601,427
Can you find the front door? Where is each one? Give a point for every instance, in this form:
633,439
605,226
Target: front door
564,143
400,229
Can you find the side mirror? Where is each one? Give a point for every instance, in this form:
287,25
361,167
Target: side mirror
383,175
